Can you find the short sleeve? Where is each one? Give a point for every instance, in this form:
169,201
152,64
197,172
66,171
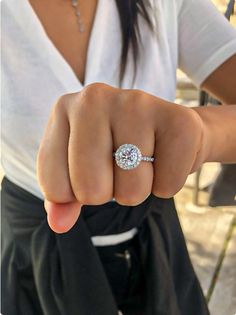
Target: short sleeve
206,39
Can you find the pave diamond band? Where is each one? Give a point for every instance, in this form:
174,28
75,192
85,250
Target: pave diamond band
147,159
128,156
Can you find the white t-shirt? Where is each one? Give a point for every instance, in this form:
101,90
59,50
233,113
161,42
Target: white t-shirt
190,34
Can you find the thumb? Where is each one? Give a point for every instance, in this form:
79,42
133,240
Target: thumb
62,216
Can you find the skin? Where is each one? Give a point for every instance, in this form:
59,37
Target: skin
60,23
75,164
222,82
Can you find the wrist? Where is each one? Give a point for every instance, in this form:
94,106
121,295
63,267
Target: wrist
205,148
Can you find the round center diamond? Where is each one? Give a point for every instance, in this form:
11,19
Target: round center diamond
128,156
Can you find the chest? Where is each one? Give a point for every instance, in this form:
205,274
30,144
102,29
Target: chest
35,68
62,23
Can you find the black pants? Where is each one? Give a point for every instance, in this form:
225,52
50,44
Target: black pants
44,273
123,267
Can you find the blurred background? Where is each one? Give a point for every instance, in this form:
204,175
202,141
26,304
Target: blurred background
210,231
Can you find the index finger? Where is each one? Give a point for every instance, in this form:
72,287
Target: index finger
52,170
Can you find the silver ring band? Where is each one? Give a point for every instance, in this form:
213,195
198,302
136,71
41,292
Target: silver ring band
147,159
143,158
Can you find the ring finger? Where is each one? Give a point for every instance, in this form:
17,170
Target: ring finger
131,187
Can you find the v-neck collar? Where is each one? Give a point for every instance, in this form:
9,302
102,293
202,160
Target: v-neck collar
104,48
56,59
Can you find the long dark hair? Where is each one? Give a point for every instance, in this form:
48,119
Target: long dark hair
128,12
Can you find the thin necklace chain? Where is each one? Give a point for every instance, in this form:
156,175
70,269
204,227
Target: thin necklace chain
78,15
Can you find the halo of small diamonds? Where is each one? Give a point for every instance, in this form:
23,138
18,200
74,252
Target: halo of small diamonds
128,156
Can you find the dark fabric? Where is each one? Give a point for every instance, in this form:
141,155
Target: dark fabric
44,273
223,190
125,274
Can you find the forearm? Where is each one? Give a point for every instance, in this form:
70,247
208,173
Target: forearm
220,132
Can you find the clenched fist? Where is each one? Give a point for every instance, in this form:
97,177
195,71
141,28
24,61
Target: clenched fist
75,163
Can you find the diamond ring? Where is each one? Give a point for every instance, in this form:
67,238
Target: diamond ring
128,156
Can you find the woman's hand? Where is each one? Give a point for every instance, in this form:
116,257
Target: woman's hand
75,163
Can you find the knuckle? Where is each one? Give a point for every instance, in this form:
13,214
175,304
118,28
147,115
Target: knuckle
132,105
55,193
95,97
189,126
135,94
94,91
60,105
186,119
52,192
165,193
129,199
134,98
58,195
93,196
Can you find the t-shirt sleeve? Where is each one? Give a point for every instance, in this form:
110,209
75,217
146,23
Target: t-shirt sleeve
206,39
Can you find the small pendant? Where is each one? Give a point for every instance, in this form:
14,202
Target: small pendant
78,15
81,27
74,3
